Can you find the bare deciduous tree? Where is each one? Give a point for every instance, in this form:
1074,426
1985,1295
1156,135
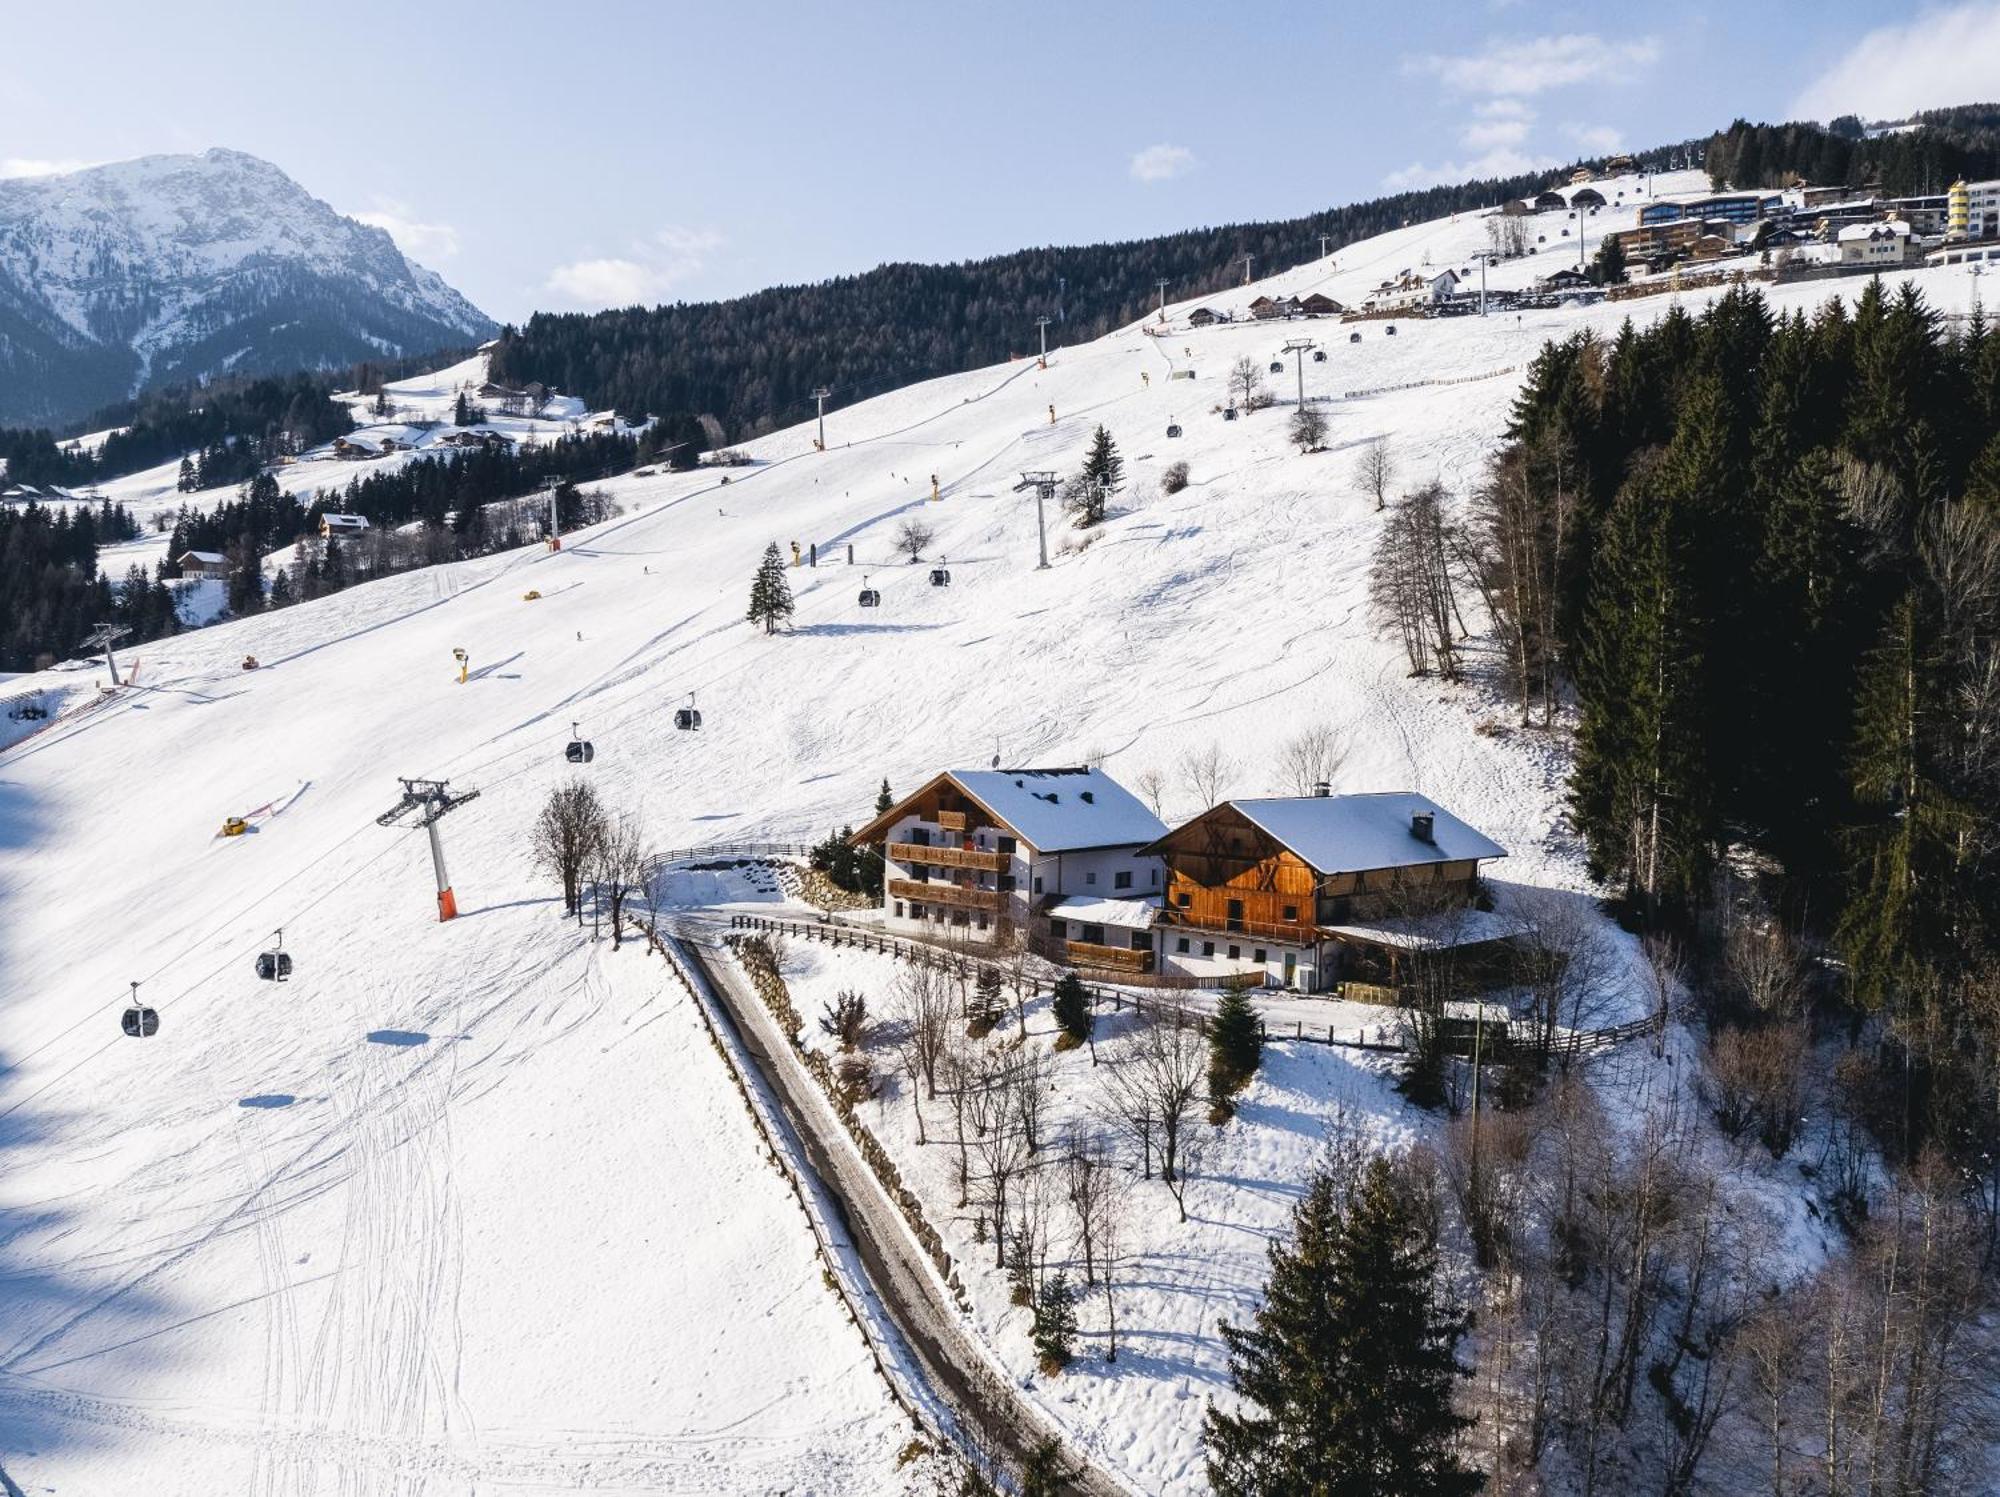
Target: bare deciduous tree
1566,966
1003,1152
924,1007
913,538
1152,785
1413,581
1159,1074
567,835
1089,1176
619,867
1375,470
1030,1079
1207,774
1312,757
1246,383
1308,429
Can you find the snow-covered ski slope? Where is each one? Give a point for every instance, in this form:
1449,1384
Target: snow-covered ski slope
472,1206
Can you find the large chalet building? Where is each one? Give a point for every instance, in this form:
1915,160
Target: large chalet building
1307,891
980,854
1297,891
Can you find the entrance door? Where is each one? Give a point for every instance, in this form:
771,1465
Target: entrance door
1291,969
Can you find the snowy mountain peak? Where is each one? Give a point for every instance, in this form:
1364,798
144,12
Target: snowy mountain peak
166,268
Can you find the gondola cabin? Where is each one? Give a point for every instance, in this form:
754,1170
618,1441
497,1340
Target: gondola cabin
1173,429
687,719
274,966
579,751
940,576
870,598
140,1022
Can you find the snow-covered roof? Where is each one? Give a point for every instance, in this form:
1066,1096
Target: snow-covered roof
1444,931
1352,833
206,558
1061,810
345,522
1128,914
1893,227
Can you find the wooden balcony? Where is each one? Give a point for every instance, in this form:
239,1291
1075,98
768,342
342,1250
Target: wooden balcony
949,857
949,895
951,821
1283,933
1117,958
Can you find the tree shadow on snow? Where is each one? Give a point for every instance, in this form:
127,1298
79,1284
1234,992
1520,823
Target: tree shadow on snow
398,1037
841,629
57,1312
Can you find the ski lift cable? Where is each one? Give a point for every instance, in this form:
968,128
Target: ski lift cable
235,955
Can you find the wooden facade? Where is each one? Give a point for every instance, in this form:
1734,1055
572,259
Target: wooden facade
951,896
1225,873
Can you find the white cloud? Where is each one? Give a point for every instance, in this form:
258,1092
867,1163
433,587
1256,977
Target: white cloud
418,240
1488,135
1162,163
1535,64
33,166
1595,140
652,268
1502,162
1949,56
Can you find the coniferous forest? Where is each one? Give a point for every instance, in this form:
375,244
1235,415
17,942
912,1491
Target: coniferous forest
1763,554
753,362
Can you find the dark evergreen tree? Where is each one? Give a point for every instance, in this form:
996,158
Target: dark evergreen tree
770,592
1103,466
1235,1046
462,413
883,799
1347,1373
1070,1003
1054,1331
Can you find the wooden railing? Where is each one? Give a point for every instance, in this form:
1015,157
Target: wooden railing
1301,934
951,821
950,895
1119,958
948,857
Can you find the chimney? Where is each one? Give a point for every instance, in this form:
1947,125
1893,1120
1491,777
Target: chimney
1321,790
1420,827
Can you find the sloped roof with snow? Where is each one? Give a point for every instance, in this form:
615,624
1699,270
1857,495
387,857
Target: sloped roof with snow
1062,810
206,558
1353,833
1127,914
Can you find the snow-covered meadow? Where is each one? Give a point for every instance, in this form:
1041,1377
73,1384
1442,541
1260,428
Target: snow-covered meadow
471,1204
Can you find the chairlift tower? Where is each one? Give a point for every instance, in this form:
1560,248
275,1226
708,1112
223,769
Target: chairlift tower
822,395
1043,482
1042,323
1298,348
1322,245
1163,298
430,800
103,637
1246,268
555,528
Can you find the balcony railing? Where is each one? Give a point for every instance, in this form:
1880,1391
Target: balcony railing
951,821
948,857
949,895
1304,933
1122,958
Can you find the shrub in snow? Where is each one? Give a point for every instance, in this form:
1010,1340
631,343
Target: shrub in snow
1174,479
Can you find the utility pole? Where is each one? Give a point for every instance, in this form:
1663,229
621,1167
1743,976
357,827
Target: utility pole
431,800
1043,482
1042,323
1298,348
821,395
104,636
1163,299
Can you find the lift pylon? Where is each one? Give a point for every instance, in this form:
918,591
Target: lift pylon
430,800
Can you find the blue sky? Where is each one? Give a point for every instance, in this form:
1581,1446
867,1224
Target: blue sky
557,156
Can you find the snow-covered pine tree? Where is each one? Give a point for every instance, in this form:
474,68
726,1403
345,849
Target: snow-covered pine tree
770,593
